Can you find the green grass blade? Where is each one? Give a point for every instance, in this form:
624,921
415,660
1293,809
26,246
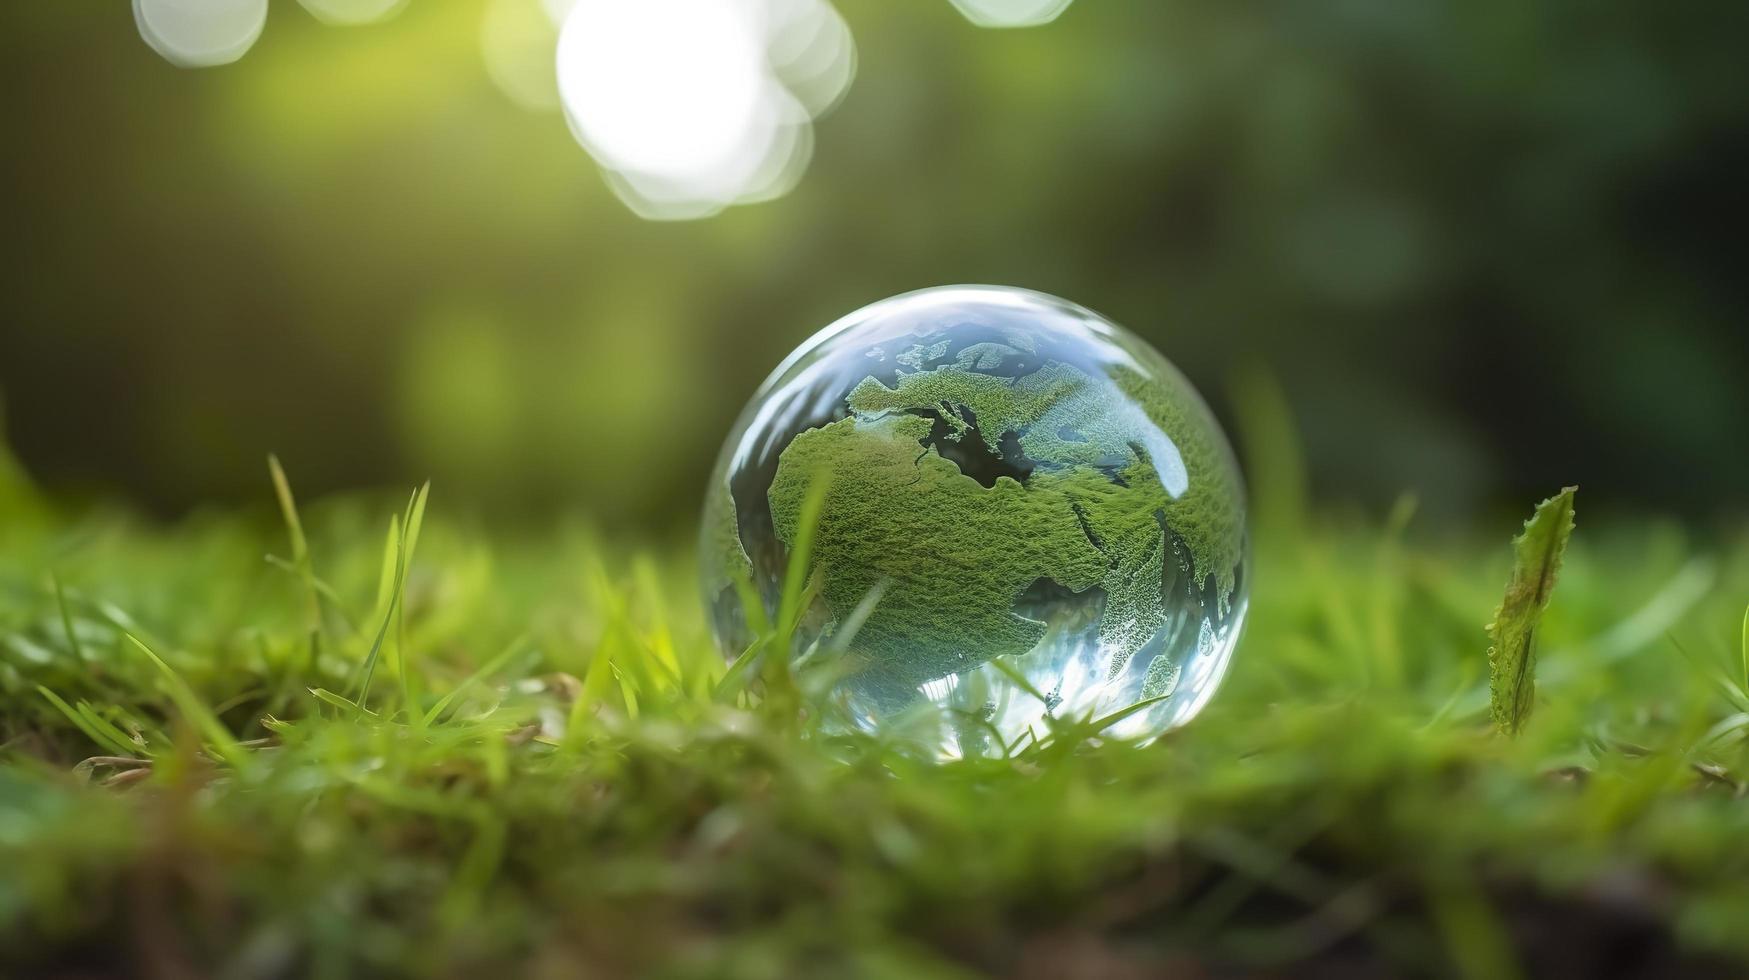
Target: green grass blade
1512,654
397,595
597,678
110,731
288,508
752,609
195,710
367,669
323,589
734,680
796,575
386,575
83,724
294,525
73,635
416,516
1729,729
1014,674
347,704
628,690
415,521
1101,724
486,670
847,630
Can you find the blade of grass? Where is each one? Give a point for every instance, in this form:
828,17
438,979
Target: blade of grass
108,728
1101,724
397,596
596,678
386,576
194,710
1632,635
628,689
970,722
415,521
323,589
1730,727
487,669
657,637
1014,674
780,695
864,609
1512,651
752,609
367,669
734,680
288,508
329,697
796,575
79,721
73,635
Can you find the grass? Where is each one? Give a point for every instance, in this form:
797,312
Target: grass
402,744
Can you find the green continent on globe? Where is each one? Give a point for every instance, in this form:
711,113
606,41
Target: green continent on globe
953,555
1210,514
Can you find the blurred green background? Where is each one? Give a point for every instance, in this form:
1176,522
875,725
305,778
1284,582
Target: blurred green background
1487,247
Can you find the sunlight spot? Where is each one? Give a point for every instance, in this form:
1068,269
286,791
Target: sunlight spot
346,13
1011,13
557,10
690,106
811,51
200,33
517,38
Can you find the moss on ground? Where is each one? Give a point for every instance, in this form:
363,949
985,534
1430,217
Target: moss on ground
553,773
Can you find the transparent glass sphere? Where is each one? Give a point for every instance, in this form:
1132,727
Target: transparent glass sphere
1012,510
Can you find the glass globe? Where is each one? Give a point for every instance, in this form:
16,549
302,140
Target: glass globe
1008,510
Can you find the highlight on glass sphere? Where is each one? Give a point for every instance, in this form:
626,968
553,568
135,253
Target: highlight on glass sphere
1009,510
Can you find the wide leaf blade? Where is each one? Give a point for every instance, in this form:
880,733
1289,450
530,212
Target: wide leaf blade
1512,635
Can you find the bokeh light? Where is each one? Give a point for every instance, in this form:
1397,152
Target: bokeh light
350,12
690,106
1011,13
200,33
1218,160
517,38
811,51
557,10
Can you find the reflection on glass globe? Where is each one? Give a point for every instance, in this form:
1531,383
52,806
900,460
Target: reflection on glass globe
1019,512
